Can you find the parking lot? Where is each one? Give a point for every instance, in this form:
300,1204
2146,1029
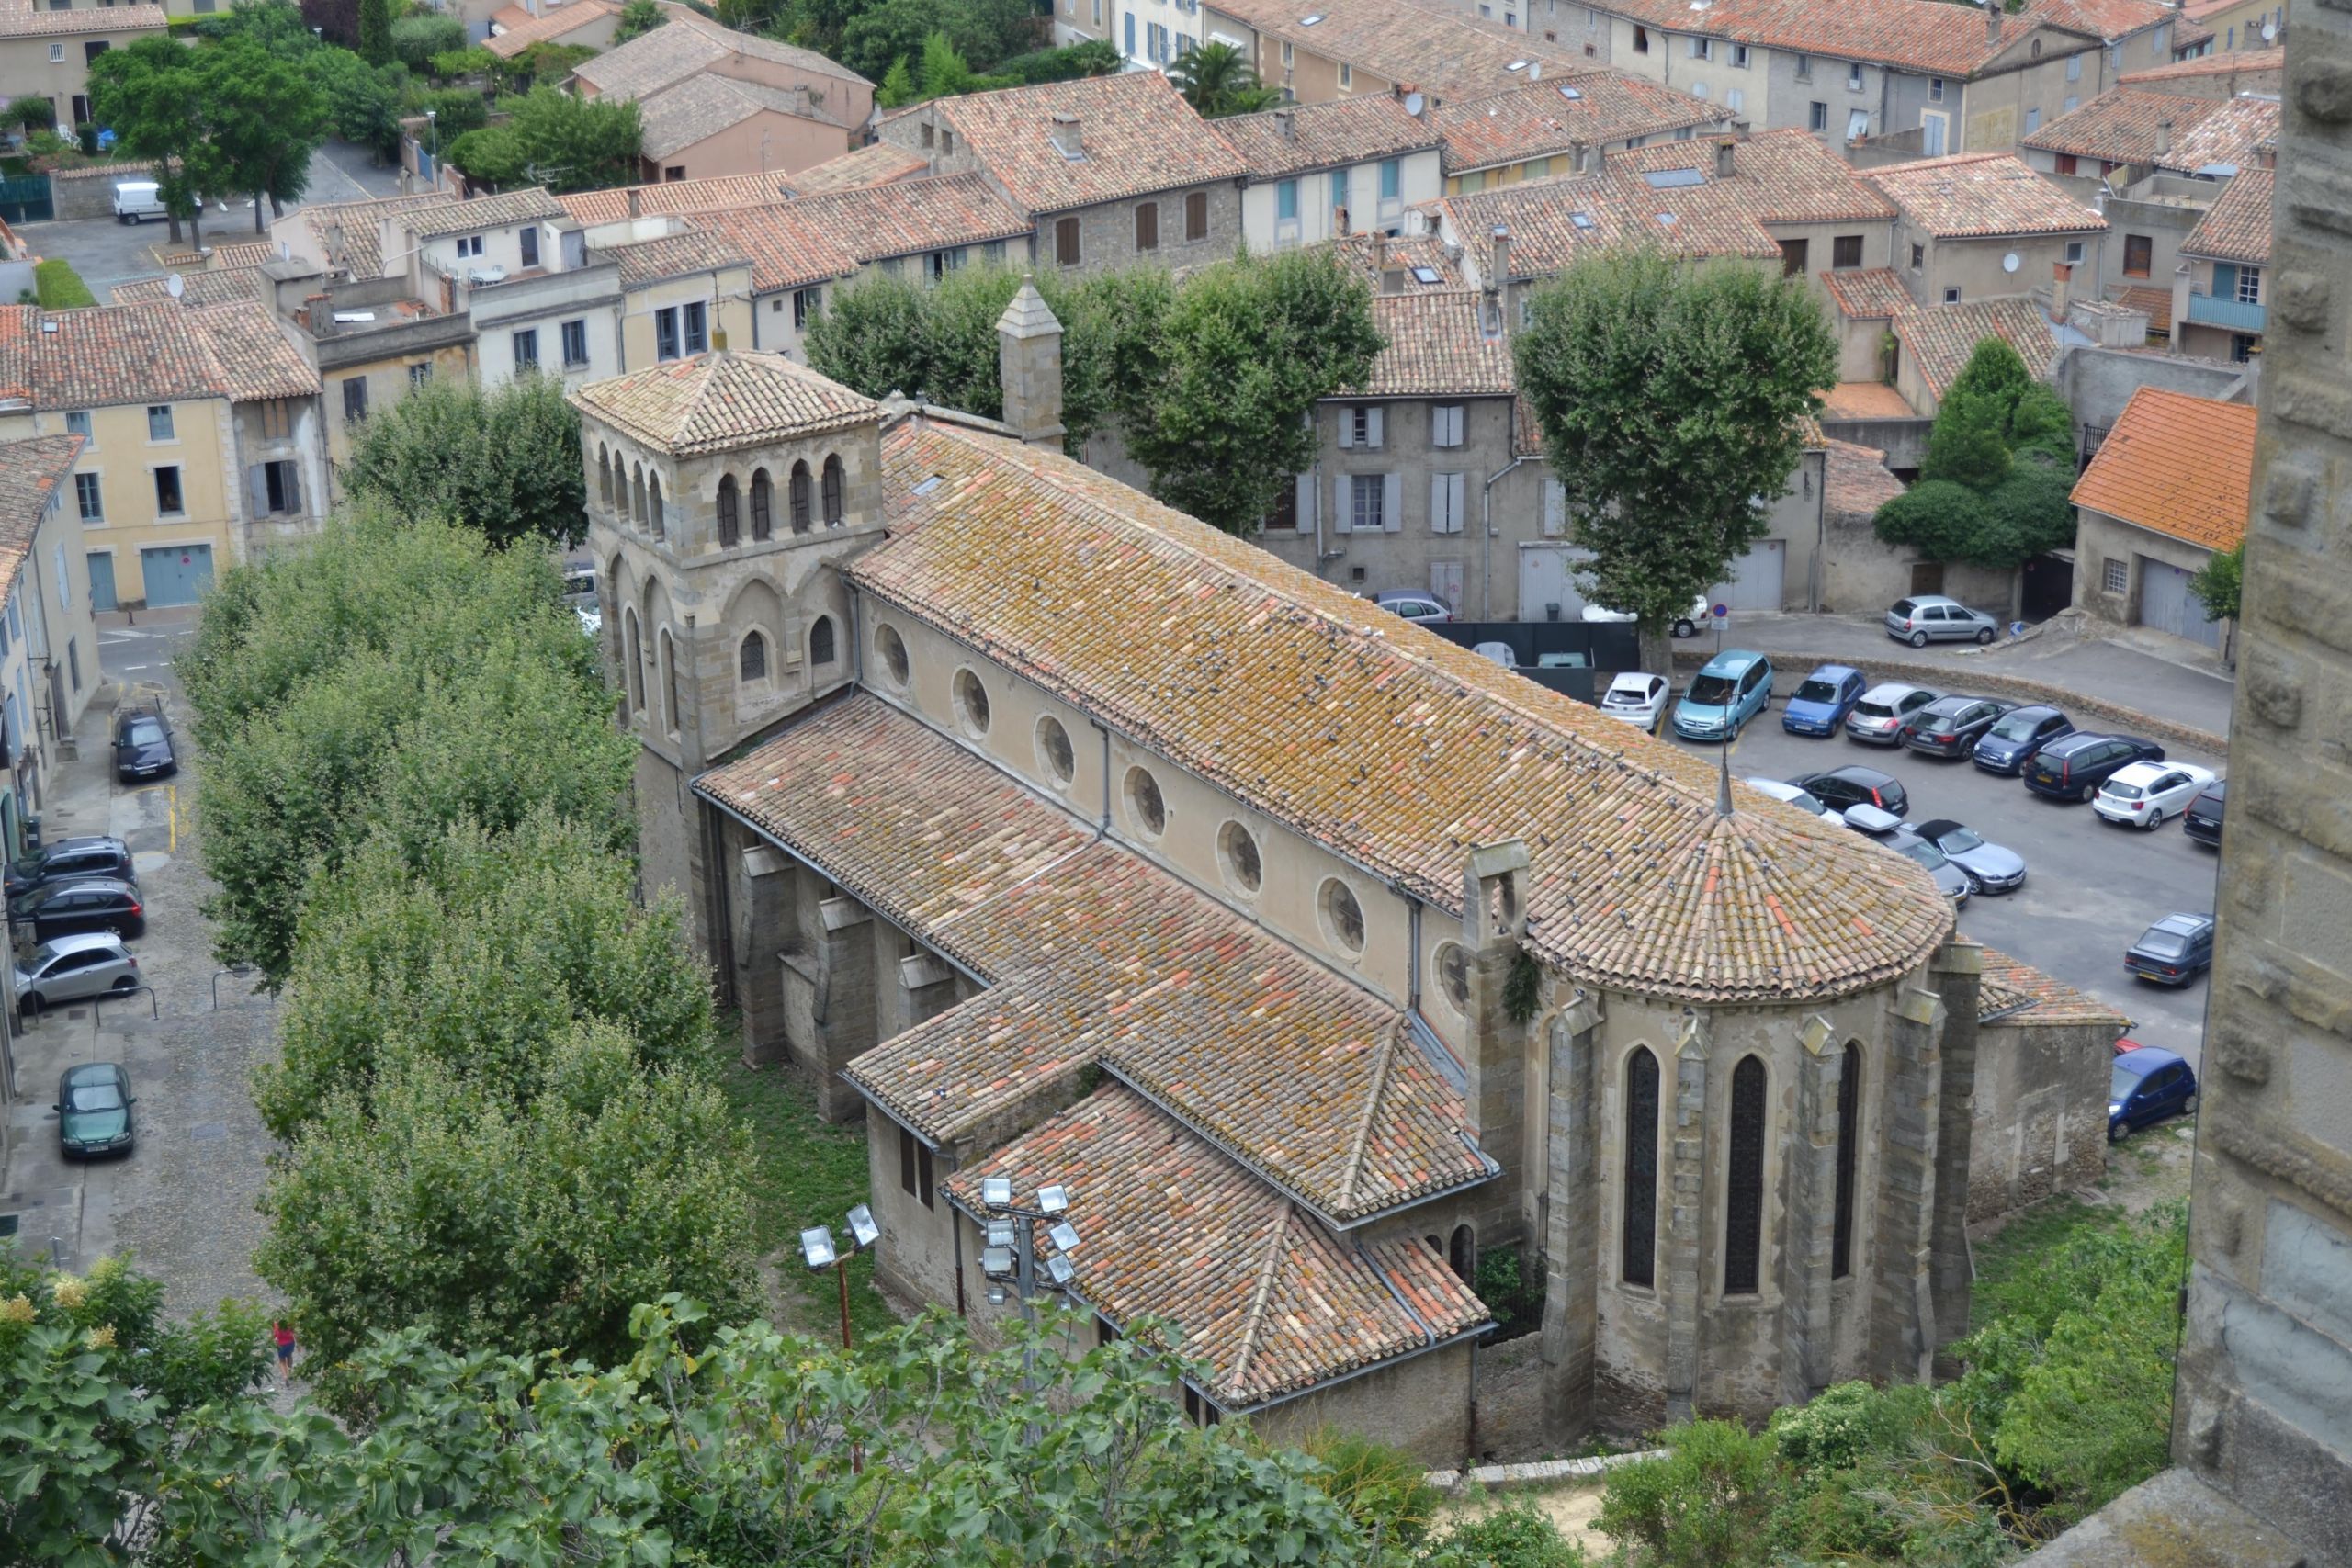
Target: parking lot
2090,887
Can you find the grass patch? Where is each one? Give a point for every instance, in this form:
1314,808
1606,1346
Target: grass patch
806,1171
2039,1230
61,287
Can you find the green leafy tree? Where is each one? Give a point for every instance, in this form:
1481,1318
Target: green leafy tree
557,140
1967,445
416,39
149,93
33,112
1995,486
982,32
944,75
363,106
456,111
375,31
637,19
544,61
263,120
1669,398
2218,584
277,25
1217,80
506,460
896,88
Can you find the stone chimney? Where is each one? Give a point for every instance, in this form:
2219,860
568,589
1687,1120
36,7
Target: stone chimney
1286,121
1029,366
1494,1047
2164,137
2062,283
1067,136
1726,156
1503,257
633,212
1992,21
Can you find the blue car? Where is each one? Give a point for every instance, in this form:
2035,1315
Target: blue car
2148,1085
1735,686
1821,705
2010,744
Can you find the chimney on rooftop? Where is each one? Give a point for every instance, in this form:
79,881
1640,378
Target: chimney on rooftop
2061,281
1379,257
2164,137
1503,257
1066,135
1029,366
1992,21
1724,154
1286,121
633,212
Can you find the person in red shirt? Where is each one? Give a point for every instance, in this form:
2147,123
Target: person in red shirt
282,1338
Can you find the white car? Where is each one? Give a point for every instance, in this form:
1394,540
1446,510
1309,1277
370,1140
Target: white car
1636,698
1684,625
2143,794
1803,799
1498,651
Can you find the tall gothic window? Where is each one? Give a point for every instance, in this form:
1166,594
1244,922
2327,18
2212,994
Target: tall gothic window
820,641
729,529
752,660
1744,1199
1850,1127
605,476
834,482
1641,1170
800,498
762,504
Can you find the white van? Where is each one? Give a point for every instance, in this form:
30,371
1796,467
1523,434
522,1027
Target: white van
138,200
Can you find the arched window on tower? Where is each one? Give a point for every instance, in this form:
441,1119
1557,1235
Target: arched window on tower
1744,1191
633,655
1850,1132
1640,1259
637,493
730,527
820,641
752,663
834,484
669,685
605,475
800,498
653,503
1461,1257
762,505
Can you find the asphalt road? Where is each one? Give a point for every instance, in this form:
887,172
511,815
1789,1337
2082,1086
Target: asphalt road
2090,887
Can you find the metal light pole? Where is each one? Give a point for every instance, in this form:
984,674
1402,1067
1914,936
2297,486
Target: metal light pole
1010,1254
817,1247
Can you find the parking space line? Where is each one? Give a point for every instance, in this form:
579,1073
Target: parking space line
172,803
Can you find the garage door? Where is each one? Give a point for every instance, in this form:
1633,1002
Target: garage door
2166,604
1755,578
1547,577
177,574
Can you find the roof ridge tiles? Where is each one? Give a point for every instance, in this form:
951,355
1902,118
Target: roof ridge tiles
1254,1320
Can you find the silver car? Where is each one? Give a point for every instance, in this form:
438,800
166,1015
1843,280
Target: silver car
1884,709
68,968
1931,617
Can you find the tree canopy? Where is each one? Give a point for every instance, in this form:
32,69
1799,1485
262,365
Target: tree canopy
1995,483
1671,399
506,460
553,139
2219,583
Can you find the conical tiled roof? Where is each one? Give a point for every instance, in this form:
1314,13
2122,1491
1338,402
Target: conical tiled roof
715,402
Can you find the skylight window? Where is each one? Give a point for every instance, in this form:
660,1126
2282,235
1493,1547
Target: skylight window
1310,21
1666,219
1426,275
1571,95
1516,65
1581,220
1667,179
927,486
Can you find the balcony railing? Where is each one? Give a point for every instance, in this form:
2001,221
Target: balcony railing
2210,311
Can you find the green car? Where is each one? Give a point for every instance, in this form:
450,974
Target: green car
94,1103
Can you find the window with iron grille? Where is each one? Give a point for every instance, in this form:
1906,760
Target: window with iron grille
1639,1266
832,488
1744,1192
1849,1128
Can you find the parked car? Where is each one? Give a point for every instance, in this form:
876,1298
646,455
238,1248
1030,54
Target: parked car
2147,1085
592,622
1732,688
2011,743
1821,703
1889,830
1497,652
1803,800
1865,818
2073,766
1682,625
1950,726
76,859
2147,795
1990,868
142,746
93,1108
1856,786
2203,820
1637,697
1931,617
1426,608
2174,951
1882,711
1563,659
68,968
61,909
138,200
2125,1042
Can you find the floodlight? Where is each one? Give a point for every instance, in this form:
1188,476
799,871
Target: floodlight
1064,1236
863,1231
996,1262
1052,1200
817,1247
1059,1269
996,1192
999,1233
996,1295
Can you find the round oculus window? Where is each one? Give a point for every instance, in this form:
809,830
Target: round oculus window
1236,852
891,648
1145,803
971,702
1342,916
1054,750
1454,974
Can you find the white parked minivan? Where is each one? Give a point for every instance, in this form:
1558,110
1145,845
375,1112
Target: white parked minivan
138,200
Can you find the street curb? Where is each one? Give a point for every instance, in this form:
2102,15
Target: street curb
1942,677
1524,1477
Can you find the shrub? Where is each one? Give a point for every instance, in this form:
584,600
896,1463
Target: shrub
1381,1488
33,112
1513,1292
457,110
1704,1505
416,39
60,286
453,63
1514,1536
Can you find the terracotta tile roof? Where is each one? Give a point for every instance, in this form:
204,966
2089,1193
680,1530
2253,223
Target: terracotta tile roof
698,108
1917,35
252,252
715,401
2245,60
1403,254
30,472
362,252
1269,1298
644,262
1402,749
1867,295
1974,195
1855,481
1539,119
1940,338
787,249
687,44
1093,954
722,192
505,210
28,18
2236,228
876,162
1442,51
18,324
1134,132
1865,400
1302,137
217,286
2113,20
546,27
2121,126
137,354
2156,302
2014,992
2177,465
1435,347
909,217
1782,177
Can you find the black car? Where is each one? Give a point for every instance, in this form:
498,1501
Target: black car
2010,744
2073,767
2202,820
1856,786
76,859
64,908
1950,726
2174,951
142,746
94,1103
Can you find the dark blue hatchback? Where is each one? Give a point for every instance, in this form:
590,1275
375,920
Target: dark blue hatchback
2010,744
1821,705
2148,1085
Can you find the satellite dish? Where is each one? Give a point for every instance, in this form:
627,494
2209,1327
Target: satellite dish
175,286
2270,32
2009,263
1413,102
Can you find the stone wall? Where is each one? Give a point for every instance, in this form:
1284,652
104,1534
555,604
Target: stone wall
89,193
1421,1406
2038,1125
